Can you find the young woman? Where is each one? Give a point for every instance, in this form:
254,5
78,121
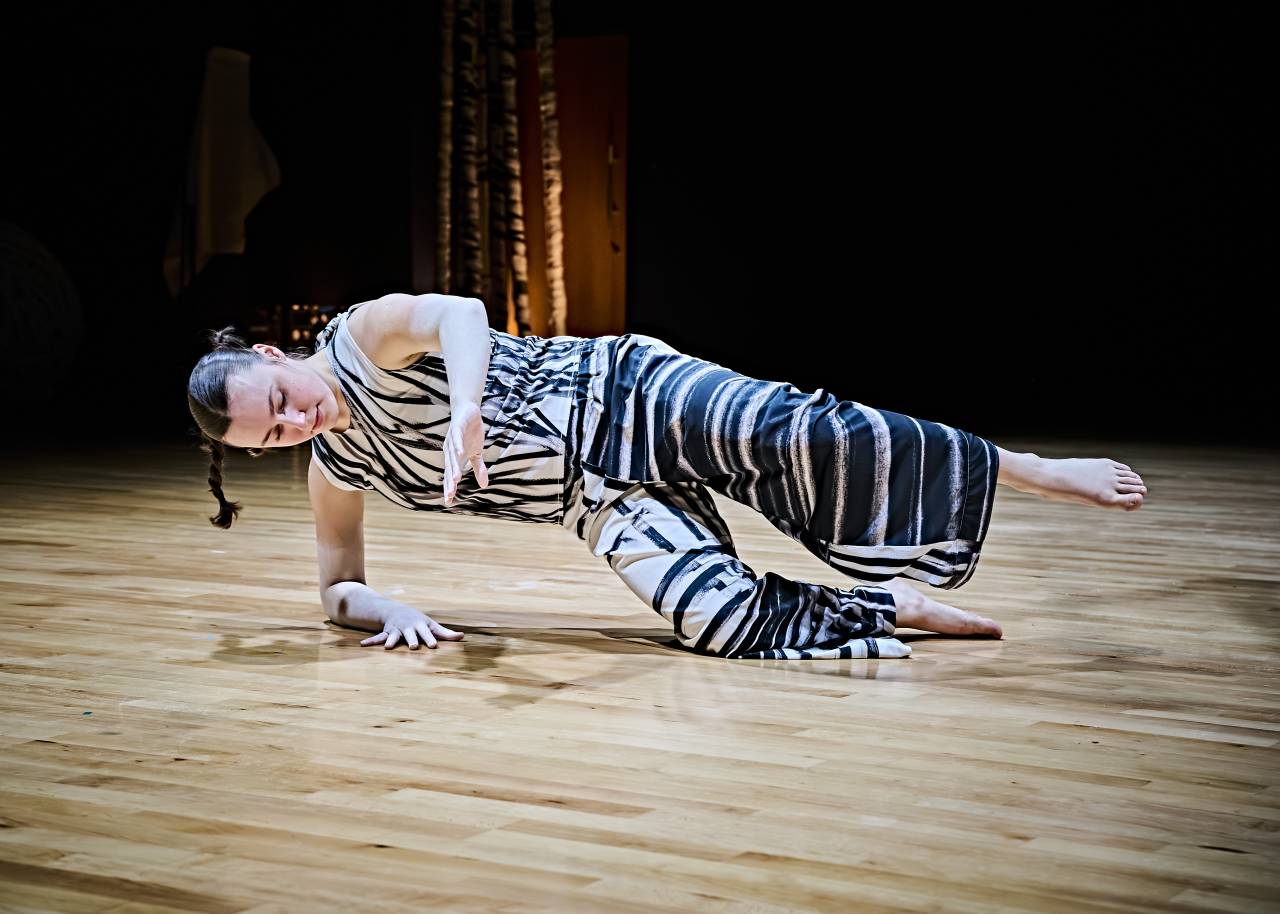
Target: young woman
619,439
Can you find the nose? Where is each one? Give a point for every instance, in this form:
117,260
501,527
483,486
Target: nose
299,418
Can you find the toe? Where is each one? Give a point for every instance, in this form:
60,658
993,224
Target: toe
1121,499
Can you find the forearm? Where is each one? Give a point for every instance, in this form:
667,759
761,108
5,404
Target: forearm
464,341
355,605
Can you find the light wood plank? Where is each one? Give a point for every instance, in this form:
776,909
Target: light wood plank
181,729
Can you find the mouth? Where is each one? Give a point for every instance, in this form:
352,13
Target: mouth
319,419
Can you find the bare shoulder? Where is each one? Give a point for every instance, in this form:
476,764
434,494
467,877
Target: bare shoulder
396,330
377,326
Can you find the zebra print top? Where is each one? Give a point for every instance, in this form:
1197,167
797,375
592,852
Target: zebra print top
399,419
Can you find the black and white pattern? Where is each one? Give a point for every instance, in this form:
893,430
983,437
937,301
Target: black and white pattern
874,493
620,438
399,419
671,547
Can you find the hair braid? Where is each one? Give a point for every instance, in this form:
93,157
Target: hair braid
229,510
207,400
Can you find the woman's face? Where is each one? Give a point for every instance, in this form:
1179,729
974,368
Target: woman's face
280,400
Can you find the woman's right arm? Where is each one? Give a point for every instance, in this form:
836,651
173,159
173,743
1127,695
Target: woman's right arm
347,600
339,515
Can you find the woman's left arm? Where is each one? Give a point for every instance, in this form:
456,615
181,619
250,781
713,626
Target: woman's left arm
464,341
457,327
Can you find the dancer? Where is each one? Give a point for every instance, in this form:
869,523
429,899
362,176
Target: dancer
619,439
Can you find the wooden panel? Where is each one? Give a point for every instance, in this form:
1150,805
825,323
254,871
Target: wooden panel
591,86
531,185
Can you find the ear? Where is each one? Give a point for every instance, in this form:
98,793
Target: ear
268,350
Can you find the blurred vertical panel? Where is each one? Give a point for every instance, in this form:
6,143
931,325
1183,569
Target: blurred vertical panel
591,87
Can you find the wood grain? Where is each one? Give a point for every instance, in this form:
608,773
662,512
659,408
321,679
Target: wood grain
183,730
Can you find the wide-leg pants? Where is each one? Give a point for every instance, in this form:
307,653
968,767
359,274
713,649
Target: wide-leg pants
873,493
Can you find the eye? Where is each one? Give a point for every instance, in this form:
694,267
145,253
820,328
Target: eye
280,428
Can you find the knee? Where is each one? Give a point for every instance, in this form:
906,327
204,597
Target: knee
705,594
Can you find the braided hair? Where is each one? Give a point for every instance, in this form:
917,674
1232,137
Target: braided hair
207,400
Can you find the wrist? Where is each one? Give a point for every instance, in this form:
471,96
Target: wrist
354,604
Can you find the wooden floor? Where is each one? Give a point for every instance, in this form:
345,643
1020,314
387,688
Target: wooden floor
183,730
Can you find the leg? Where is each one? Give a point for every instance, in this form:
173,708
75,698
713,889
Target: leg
671,547
874,493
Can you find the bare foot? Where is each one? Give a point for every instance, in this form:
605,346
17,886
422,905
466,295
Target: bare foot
916,610
1097,481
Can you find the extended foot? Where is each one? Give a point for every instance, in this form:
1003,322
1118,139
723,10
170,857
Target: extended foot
1097,481
916,610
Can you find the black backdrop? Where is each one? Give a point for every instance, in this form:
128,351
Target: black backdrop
1028,221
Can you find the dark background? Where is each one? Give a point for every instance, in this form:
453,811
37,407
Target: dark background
1049,222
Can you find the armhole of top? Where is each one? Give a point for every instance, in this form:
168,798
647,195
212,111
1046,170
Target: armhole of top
366,363
329,474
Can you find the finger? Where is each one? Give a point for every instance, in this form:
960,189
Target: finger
391,642
427,638
437,627
482,471
411,639
376,639
441,632
454,473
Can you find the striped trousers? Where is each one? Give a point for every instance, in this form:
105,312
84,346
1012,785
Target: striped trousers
874,494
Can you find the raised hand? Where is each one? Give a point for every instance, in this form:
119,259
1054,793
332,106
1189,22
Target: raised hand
463,443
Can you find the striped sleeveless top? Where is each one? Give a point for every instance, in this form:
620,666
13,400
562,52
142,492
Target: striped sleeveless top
399,419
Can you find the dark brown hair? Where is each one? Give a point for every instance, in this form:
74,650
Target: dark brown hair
207,400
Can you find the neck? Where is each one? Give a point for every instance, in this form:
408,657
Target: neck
320,364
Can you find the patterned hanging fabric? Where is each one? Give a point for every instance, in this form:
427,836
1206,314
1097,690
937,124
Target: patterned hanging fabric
481,248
